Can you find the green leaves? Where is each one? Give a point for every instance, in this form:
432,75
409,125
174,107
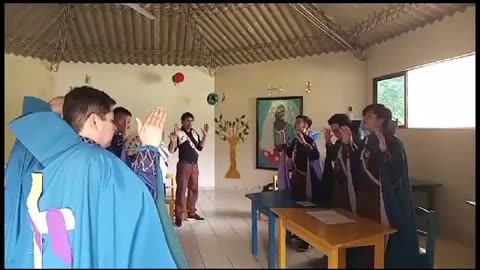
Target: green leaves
236,128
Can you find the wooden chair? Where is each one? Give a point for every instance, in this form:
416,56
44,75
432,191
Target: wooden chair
428,253
170,190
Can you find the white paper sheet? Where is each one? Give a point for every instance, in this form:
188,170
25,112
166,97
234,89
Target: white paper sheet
306,203
330,217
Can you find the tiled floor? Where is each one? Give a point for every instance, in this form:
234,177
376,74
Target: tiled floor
222,240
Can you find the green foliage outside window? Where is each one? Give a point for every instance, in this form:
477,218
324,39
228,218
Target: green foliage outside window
391,93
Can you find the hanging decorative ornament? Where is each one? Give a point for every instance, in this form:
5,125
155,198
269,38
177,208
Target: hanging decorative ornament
308,88
87,79
271,89
224,98
178,78
212,98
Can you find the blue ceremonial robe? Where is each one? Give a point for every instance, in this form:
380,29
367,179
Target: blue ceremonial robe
21,164
116,224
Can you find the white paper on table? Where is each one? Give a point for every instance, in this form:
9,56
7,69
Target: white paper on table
306,203
330,217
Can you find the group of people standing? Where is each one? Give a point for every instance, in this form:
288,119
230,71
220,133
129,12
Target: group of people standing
87,207
365,172
188,142
91,208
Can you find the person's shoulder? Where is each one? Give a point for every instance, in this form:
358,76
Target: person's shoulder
95,155
108,167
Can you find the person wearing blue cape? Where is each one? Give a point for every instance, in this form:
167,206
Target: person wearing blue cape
94,211
383,191
18,172
305,180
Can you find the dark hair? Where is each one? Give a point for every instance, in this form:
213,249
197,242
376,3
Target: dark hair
186,115
121,111
307,120
380,111
81,102
340,119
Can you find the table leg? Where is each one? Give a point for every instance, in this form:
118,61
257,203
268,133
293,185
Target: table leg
254,229
271,239
337,258
282,244
430,199
379,252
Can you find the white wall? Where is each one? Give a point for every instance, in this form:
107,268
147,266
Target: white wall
338,81
140,88
445,156
23,77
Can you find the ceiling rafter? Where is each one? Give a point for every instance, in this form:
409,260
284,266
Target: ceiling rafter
384,16
198,39
139,54
214,9
62,36
332,29
30,45
277,45
33,45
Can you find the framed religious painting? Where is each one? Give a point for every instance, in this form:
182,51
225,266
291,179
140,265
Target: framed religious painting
274,114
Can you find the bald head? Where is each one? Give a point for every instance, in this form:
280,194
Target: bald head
56,104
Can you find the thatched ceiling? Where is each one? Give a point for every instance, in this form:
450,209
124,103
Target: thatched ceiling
209,35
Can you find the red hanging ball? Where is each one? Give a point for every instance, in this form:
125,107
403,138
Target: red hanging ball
178,77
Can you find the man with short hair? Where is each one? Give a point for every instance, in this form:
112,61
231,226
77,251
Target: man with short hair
189,144
303,153
97,211
121,118
337,174
21,164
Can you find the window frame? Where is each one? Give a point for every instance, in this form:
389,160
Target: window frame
405,90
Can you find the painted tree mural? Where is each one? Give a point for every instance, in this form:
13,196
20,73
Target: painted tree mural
233,132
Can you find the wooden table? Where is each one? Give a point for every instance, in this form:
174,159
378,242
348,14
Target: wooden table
332,239
263,202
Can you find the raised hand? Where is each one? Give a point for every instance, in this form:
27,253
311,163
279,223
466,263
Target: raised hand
381,140
205,129
174,134
328,134
300,137
346,135
150,132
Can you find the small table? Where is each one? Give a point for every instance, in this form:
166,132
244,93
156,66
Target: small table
263,202
472,203
429,188
334,239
